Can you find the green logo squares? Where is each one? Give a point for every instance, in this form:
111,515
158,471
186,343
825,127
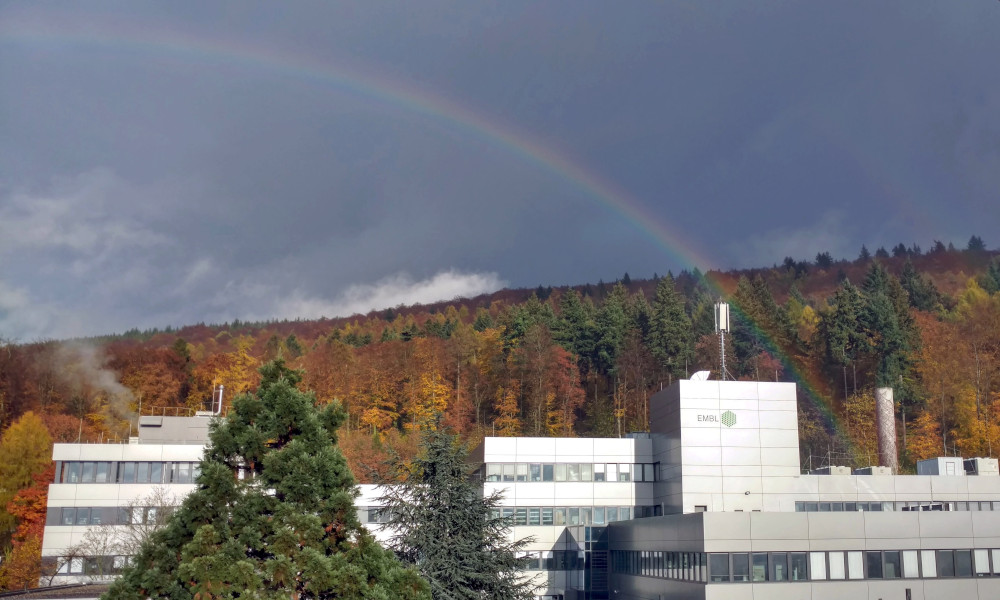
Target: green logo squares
728,418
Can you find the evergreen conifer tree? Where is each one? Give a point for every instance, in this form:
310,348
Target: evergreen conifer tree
443,524
669,336
273,515
990,281
921,291
612,324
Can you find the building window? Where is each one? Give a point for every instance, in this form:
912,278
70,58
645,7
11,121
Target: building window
928,559
837,570
855,565
910,567
758,564
718,567
982,562
963,563
741,567
798,566
817,565
874,562
945,563
893,568
779,566
71,472
126,472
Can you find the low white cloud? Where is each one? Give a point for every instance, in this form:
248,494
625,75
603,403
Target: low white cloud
94,254
829,233
92,215
395,290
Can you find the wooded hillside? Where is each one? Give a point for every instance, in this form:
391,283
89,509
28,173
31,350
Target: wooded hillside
580,360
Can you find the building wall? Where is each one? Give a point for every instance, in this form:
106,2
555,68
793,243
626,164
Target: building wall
550,539
811,532
718,441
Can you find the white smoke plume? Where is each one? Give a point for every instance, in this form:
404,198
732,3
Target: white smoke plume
83,367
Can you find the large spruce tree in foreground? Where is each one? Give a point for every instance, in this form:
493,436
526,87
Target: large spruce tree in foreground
442,523
273,515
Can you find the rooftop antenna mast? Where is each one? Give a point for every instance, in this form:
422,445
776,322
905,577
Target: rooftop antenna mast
721,327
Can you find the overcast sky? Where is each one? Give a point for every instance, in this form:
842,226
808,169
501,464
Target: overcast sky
165,163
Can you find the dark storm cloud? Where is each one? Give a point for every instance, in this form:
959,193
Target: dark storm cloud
145,185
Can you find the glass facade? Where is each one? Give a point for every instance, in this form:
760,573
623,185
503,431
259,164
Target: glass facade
128,472
743,567
925,505
528,472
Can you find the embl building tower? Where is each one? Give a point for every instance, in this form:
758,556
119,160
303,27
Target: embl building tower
710,504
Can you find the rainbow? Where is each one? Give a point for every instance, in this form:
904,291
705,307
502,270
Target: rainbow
366,81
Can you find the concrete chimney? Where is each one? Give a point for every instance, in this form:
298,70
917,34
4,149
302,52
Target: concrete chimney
885,424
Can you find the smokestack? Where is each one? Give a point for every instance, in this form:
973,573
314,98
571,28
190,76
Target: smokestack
885,424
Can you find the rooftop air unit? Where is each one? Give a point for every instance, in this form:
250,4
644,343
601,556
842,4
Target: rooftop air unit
831,470
942,465
982,466
873,470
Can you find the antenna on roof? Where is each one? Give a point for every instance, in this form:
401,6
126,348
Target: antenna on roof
721,327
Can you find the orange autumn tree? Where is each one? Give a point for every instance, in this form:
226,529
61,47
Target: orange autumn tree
565,397
22,566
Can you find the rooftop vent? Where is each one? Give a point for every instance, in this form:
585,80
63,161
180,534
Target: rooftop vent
942,465
831,470
873,470
982,466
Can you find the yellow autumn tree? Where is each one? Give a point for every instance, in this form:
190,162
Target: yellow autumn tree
377,395
431,399
924,437
508,421
859,417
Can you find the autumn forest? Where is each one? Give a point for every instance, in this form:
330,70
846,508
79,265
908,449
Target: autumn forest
580,360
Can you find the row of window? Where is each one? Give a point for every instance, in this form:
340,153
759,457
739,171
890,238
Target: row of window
79,471
574,515
896,506
514,472
104,515
808,566
684,566
92,565
554,560
545,515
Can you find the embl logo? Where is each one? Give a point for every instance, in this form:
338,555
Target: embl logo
729,418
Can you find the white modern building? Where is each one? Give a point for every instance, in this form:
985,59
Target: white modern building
710,504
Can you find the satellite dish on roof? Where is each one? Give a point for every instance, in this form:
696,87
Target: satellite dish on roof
701,376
